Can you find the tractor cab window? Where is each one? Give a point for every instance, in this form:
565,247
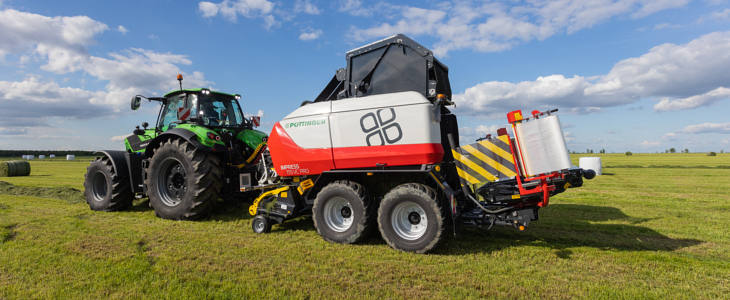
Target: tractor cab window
178,109
169,115
219,111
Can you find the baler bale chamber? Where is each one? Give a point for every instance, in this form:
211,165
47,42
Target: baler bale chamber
378,149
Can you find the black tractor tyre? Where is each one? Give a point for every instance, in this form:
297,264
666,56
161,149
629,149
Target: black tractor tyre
104,189
410,218
183,182
260,224
341,213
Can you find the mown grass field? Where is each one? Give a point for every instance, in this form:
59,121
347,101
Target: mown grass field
654,226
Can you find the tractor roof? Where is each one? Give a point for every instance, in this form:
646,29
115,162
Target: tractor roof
171,93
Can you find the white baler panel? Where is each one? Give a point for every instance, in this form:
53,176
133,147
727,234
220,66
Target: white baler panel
542,145
379,101
387,119
317,108
308,126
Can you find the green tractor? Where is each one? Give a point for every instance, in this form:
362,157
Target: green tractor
201,150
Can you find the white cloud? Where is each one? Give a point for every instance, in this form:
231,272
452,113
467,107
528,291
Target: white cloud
685,76
653,6
61,44
569,136
702,128
661,26
122,29
118,138
489,27
354,8
695,101
707,128
646,143
306,7
721,15
468,135
208,9
414,21
27,103
22,31
12,130
310,34
231,9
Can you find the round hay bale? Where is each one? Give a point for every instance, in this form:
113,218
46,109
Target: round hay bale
70,157
42,156
15,168
52,156
590,163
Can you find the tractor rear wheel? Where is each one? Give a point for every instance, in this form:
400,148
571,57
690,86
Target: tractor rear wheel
104,189
183,182
341,213
410,219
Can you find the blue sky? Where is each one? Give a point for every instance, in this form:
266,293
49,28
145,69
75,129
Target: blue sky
627,75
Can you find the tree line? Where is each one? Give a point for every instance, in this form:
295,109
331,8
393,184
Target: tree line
19,153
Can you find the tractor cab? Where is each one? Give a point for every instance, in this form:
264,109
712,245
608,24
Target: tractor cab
202,107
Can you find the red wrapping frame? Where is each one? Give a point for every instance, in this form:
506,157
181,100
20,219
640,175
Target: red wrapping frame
544,187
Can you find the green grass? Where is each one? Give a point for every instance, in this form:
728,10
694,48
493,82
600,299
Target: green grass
647,229
55,172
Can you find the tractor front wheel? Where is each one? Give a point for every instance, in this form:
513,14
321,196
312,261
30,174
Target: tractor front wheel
104,189
183,182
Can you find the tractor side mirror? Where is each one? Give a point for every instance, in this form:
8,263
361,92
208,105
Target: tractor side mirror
136,101
341,74
256,121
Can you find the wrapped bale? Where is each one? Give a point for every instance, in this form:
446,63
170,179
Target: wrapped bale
70,157
14,168
591,163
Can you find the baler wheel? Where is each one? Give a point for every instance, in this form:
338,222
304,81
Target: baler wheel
410,219
104,189
341,213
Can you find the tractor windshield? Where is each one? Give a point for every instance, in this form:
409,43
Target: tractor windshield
218,110
212,109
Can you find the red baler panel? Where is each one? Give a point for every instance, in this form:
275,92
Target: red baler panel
291,160
389,155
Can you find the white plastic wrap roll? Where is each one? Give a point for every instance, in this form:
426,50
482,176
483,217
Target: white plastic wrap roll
41,156
52,156
542,146
70,157
590,163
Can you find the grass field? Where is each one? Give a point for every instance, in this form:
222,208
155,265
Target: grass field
654,226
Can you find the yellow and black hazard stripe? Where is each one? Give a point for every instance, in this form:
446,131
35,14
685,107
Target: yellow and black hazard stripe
485,160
